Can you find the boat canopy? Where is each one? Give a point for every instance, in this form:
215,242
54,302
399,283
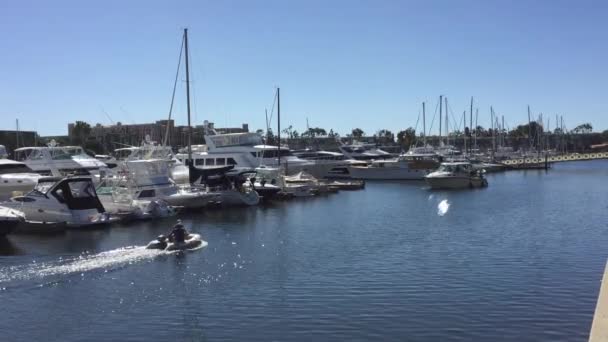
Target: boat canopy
78,193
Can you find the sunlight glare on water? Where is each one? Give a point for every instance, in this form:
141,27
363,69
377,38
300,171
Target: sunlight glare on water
443,207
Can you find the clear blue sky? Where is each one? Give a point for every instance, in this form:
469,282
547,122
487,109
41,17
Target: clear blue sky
342,64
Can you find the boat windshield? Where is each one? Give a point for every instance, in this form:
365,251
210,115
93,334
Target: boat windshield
275,154
42,188
60,154
14,168
454,168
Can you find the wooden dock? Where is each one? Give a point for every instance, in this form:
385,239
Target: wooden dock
599,327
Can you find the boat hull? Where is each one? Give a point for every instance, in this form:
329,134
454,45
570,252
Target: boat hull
455,182
387,173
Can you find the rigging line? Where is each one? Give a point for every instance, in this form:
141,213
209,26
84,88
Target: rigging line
433,120
179,63
107,115
274,101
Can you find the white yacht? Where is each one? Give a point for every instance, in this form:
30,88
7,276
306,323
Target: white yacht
409,166
15,177
59,160
229,186
69,200
329,164
364,151
150,150
456,175
243,151
149,180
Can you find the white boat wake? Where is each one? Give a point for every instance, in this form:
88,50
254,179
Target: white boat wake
443,207
109,260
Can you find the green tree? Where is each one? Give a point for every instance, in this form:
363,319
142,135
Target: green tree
270,138
357,133
583,129
407,137
385,136
80,132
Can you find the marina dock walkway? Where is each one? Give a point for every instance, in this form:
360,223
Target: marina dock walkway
599,327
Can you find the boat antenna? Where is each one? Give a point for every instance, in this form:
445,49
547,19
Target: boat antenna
179,62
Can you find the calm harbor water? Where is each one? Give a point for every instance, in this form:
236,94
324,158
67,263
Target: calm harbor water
520,260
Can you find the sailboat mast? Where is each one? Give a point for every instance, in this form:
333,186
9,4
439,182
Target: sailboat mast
471,126
464,123
188,97
440,118
447,131
476,116
493,130
529,129
279,126
423,125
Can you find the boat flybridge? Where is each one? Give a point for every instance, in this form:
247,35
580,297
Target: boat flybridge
149,180
243,151
152,150
59,160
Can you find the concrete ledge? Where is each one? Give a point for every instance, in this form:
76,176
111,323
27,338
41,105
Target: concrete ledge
599,327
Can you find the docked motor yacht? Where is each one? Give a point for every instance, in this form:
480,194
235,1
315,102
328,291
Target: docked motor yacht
456,175
243,151
60,160
228,185
409,166
149,180
150,150
329,164
72,200
15,178
364,151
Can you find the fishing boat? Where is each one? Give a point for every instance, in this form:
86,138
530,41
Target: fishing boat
60,160
456,175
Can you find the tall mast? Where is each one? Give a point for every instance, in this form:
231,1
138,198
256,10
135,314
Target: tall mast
447,131
493,133
423,125
529,128
279,126
464,123
502,132
440,118
476,115
471,126
188,97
